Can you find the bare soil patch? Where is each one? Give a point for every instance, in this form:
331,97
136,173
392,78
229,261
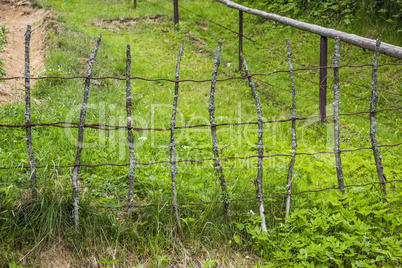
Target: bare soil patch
16,15
118,24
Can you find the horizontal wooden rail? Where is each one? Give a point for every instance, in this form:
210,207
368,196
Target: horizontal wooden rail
387,49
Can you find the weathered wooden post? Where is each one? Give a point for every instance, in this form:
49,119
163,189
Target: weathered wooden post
215,149
129,106
173,141
260,146
337,140
30,150
373,122
323,78
240,39
81,129
294,137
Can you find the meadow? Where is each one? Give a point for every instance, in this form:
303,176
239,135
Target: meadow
325,229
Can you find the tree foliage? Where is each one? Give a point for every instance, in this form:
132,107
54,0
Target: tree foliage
385,16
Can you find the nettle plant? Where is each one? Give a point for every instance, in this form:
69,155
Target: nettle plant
356,229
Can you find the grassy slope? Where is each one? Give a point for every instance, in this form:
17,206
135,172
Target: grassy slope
155,45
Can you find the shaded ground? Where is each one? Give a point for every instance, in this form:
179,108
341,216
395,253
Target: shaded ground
16,15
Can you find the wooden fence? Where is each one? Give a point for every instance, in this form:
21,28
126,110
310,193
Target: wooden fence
387,49
226,199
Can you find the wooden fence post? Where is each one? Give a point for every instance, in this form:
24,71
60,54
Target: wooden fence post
294,138
240,40
173,142
373,123
260,147
337,146
215,148
31,159
176,11
81,128
129,104
323,78
135,4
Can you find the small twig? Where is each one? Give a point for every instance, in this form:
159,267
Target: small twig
29,252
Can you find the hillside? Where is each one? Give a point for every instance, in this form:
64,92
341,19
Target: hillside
325,228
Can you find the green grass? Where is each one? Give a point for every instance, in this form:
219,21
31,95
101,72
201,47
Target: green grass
148,236
3,40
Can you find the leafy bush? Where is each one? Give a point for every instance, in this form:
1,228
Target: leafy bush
353,230
330,10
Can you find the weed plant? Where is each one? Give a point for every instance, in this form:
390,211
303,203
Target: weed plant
3,40
324,229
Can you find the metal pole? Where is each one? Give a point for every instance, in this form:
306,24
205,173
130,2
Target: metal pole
240,39
176,11
135,4
323,77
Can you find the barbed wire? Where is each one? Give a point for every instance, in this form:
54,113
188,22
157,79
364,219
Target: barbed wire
264,62
218,24
116,127
110,127
343,92
329,67
245,54
193,80
284,89
245,199
204,159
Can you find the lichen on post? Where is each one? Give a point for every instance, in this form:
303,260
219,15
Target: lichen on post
260,146
173,142
294,138
81,128
27,76
129,104
215,149
336,104
373,123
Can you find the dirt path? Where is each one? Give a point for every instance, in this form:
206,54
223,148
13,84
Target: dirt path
16,15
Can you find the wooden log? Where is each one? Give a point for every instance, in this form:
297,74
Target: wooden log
387,49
